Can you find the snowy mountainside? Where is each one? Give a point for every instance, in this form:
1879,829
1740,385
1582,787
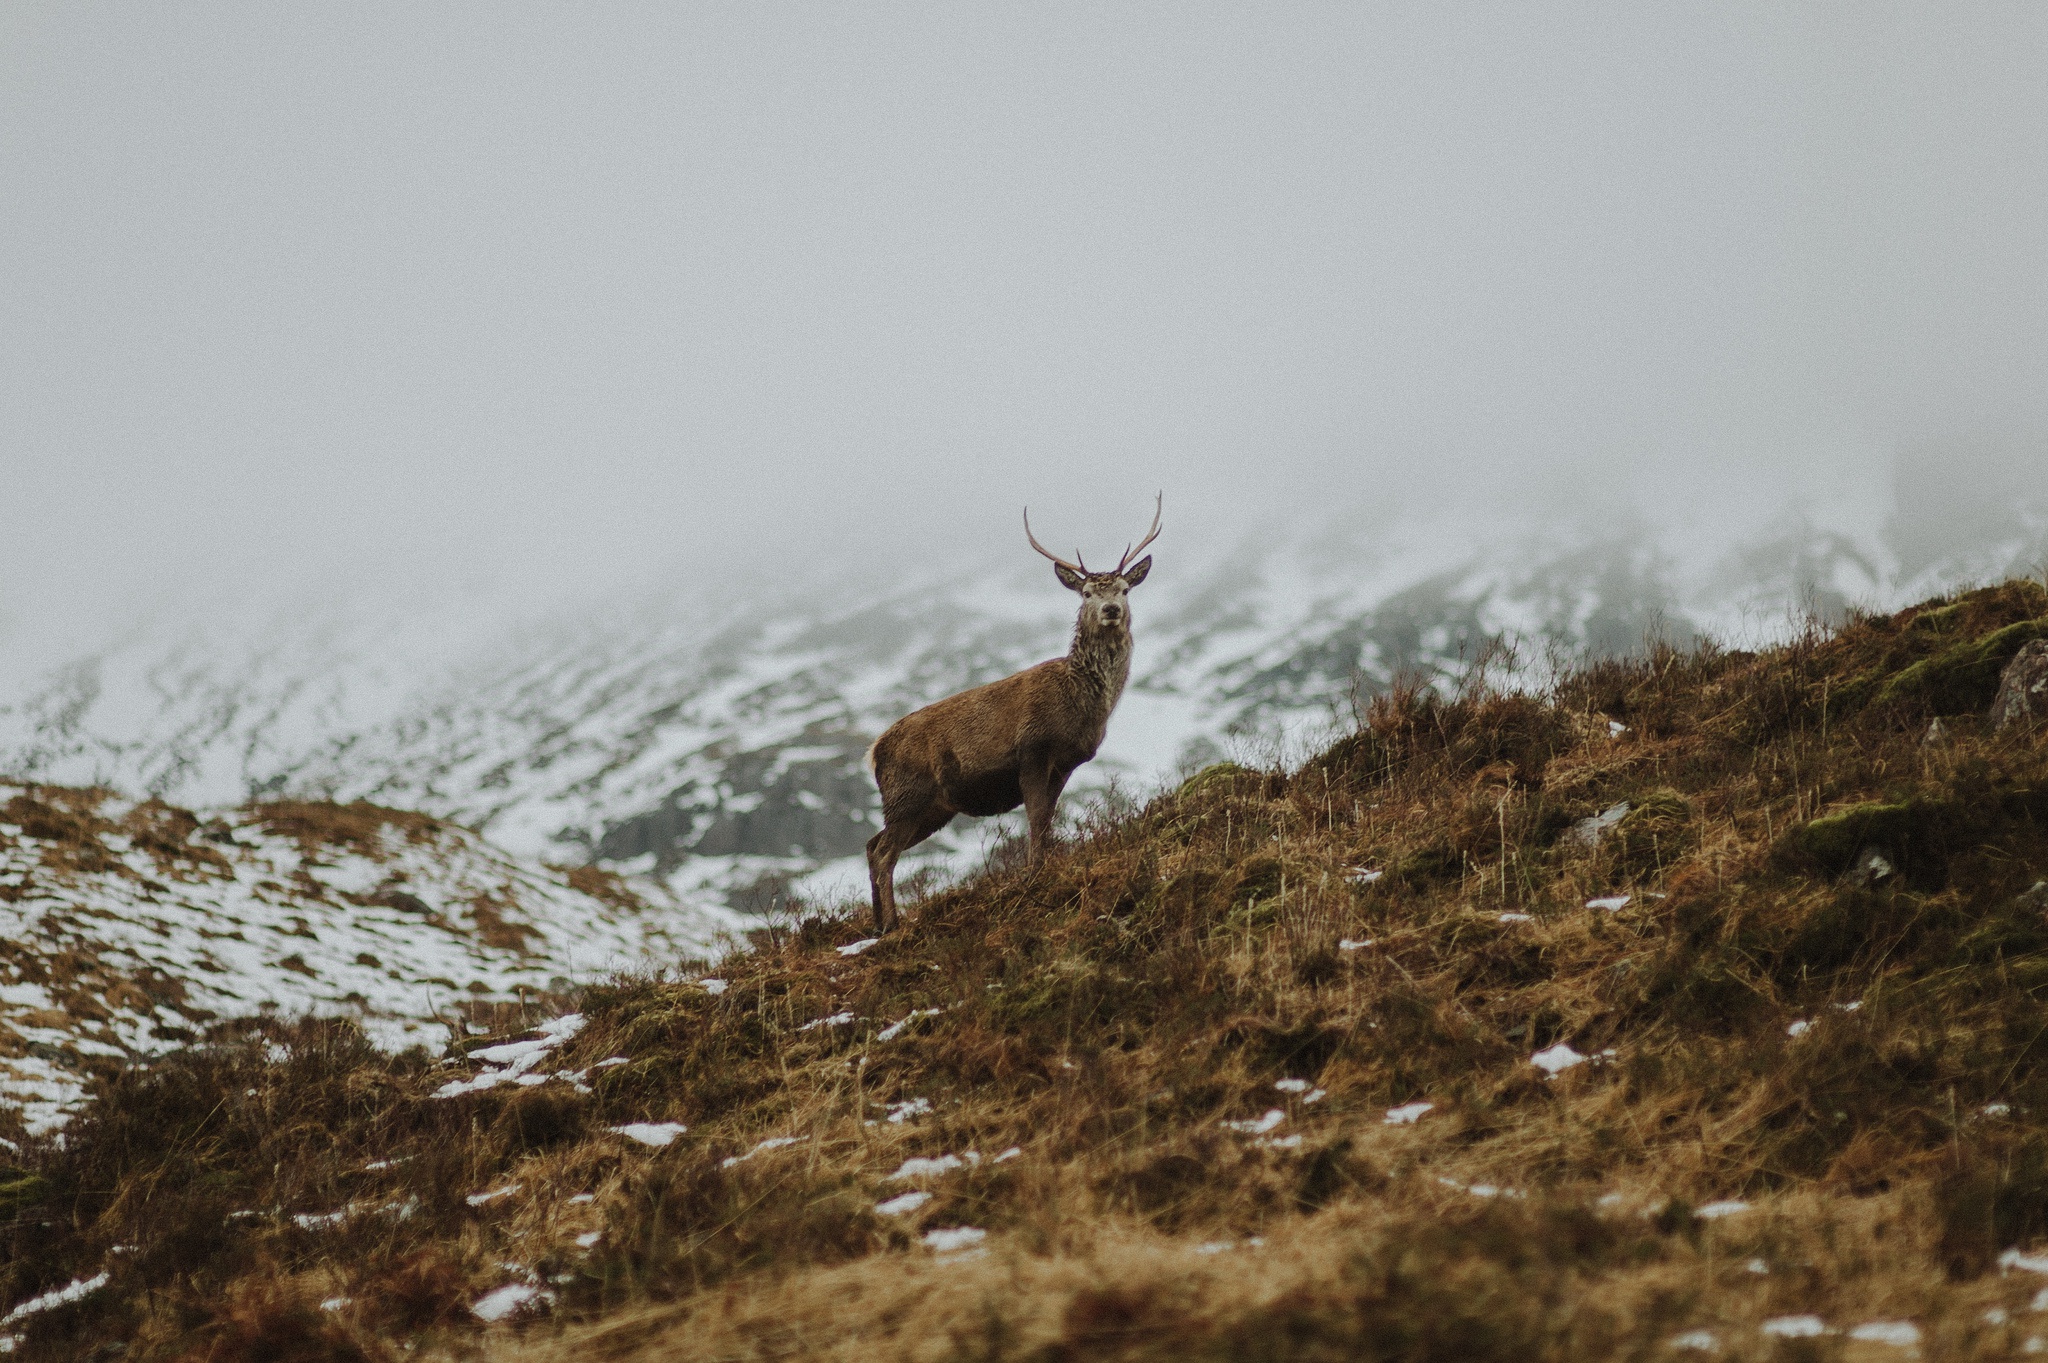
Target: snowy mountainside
718,747
126,927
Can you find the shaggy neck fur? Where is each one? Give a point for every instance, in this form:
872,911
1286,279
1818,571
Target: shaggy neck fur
1101,656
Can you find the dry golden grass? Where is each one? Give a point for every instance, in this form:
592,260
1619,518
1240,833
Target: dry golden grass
1110,1013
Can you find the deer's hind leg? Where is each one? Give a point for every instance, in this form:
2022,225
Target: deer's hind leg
899,834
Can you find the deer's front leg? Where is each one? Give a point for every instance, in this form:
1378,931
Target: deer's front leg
1041,791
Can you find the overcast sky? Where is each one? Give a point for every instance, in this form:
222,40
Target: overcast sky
409,296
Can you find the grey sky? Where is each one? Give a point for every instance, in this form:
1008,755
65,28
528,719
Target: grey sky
544,295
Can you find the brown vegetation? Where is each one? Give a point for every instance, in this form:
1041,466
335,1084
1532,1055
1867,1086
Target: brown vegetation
1795,850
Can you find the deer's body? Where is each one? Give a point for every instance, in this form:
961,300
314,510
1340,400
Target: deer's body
1012,742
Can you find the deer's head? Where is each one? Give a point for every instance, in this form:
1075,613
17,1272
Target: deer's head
1105,603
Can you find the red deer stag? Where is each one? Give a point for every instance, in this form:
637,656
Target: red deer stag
1011,742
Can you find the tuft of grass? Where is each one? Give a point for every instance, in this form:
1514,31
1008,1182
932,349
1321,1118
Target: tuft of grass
1197,1026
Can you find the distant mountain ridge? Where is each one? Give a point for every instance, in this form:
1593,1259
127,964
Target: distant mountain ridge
717,748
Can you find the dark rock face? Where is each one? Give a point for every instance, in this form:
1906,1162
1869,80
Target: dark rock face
810,799
2023,687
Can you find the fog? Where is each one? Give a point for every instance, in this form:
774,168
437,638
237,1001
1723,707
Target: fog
526,301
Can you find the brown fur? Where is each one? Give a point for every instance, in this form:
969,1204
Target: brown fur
1011,742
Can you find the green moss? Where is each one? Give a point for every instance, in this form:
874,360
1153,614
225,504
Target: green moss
1218,778
20,1190
1941,618
1835,840
1963,678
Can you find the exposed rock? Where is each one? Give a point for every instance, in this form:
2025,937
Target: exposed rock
1871,866
1936,735
1586,832
2023,687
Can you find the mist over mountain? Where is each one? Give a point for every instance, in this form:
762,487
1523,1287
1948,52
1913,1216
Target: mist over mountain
712,739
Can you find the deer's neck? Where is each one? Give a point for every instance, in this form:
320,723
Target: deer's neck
1101,658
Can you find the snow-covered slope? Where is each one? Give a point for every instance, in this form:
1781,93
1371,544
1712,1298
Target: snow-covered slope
126,927
716,743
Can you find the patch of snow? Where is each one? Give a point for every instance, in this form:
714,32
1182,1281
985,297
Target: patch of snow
1408,1113
856,948
335,1303
1995,1110
903,1204
1315,1096
1799,1028
1849,1007
1794,1327
1700,1341
319,1220
1359,875
1556,1059
895,1029
512,1062
1518,918
2032,1263
512,1297
927,1167
589,1238
1353,943
1612,903
1257,1126
772,1143
1278,1142
612,1060
656,1134
1757,1266
1291,1085
1900,1334
948,1238
1011,1153
713,987
836,1020
479,1199
909,1110
1714,1211
76,1290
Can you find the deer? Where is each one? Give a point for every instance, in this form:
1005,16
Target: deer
1010,742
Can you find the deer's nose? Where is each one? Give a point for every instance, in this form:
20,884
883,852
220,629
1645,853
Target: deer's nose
1112,613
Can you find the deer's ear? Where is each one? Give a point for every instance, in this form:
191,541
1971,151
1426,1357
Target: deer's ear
1069,579
1135,574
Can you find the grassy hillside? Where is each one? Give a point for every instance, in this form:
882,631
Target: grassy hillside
1176,1077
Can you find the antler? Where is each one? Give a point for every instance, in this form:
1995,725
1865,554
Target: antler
1080,568
1158,508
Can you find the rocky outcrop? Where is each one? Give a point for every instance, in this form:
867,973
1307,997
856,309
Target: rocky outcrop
2023,687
